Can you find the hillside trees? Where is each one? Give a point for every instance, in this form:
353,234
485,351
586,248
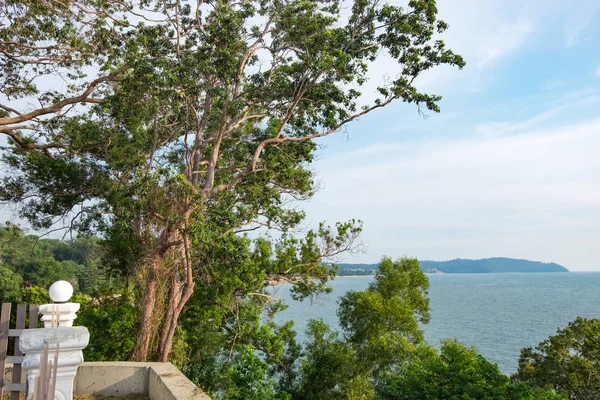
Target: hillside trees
28,260
185,122
10,282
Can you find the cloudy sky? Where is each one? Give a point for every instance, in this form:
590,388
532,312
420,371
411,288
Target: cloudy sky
511,166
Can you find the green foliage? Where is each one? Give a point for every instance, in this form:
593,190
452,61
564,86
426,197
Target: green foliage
329,367
567,362
112,320
382,354
32,261
382,322
457,372
380,333
10,283
249,379
44,272
233,308
32,295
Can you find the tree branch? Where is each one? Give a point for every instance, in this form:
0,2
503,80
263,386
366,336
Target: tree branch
278,140
4,122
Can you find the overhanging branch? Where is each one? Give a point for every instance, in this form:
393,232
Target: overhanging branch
282,139
83,97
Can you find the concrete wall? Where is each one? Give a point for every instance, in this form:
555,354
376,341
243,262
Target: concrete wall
160,381
165,382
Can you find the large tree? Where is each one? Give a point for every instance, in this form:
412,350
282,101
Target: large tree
180,122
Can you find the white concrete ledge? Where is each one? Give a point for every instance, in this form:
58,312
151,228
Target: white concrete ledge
160,381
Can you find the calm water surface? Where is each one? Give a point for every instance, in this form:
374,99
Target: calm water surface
497,313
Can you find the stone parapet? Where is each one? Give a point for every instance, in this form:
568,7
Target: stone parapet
160,381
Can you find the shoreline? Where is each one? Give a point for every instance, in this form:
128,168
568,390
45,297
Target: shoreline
478,273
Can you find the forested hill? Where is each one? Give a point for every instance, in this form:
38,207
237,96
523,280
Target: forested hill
486,265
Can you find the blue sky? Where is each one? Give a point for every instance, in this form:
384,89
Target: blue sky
511,166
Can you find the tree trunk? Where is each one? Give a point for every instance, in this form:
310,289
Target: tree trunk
168,334
178,297
142,345
172,295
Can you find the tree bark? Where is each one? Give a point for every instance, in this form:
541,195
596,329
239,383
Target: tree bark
179,295
142,345
168,334
172,320
175,287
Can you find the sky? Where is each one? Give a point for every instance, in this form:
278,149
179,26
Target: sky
511,165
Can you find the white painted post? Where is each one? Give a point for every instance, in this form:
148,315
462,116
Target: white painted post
58,332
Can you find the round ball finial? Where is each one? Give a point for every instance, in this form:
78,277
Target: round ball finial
60,291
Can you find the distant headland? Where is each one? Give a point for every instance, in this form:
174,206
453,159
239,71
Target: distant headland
463,266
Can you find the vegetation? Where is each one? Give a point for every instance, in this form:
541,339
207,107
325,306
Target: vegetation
567,362
486,265
28,261
457,372
379,353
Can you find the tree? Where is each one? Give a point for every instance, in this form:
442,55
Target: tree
380,333
382,322
568,361
111,319
456,372
200,124
10,282
234,309
249,380
40,262
328,367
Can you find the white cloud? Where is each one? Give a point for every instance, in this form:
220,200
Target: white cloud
598,72
505,39
485,33
578,21
495,129
564,105
534,195
481,43
553,84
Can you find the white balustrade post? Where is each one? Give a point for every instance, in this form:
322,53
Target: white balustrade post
58,333
60,313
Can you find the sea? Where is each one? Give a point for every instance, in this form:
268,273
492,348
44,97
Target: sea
499,314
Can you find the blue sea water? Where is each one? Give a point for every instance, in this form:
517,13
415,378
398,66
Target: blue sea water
497,313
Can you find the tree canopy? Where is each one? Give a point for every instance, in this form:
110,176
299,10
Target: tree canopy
184,122
456,372
568,361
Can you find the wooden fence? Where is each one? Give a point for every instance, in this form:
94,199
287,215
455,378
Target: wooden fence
12,335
